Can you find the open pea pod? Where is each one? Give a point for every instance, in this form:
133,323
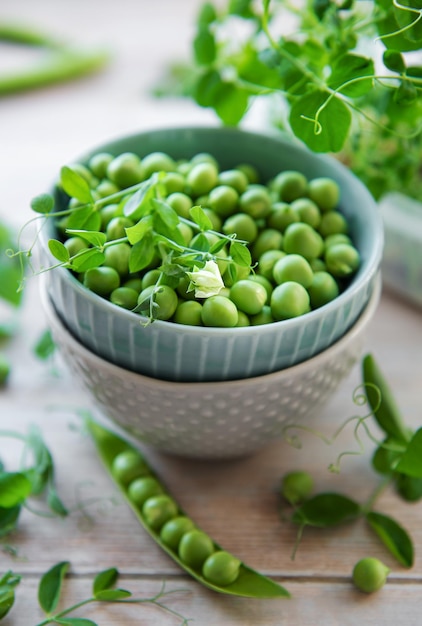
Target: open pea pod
248,583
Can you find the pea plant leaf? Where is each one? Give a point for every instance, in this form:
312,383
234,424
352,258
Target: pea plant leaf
411,461
104,580
207,88
94,237
86,218
138,204
200,218
166,213
45,345
8,519
240,254
43,203
204,46
10,268
87,259
231,103
325,510
408,488
50,586
75,621
59,250
15,487
142,253
355,68
75,185
137,232
393,536
8,583
111,595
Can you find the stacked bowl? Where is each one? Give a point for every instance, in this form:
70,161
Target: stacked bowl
207,391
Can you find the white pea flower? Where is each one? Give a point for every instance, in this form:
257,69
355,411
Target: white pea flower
206,281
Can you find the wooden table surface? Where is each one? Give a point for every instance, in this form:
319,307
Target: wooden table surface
234,501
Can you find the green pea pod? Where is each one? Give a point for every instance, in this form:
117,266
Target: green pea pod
249,583
385,409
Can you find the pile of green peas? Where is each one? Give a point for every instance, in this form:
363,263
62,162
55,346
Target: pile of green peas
300,244
175,530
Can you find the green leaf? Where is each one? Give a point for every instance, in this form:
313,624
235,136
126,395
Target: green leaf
44,346
384,459
75,185
231,103
8,519
44,203
15,487
138,204
75,621
88,258
406,93
7,599
409,488
50,586
111,595
349,67
141,254
325,510
394,537
166,213
137,232
204,46
329,132
86,218
104,580
58,250
394,61
207,88
207,14
243,8
200,218
217,246
94,237
201,243
55,503
411,461
385,408
240,254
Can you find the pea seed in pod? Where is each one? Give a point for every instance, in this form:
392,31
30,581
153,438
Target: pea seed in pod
223,200
370,574
248,296
221,568
325,192
101,280
164,297
157,510
219,311
281,215
234,178
195,547
290,185
302,239
342,260
124,297
266,262
268,239
323,289
289,300
173,530
333,223
189,312
256,201
117,256
99,162
242,225
127,466
125,170
293,267
143,488
307,211
157,162
202,178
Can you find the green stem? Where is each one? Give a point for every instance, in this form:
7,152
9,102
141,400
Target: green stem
369,504
53,618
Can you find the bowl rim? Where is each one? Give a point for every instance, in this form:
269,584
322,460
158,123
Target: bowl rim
365,276
295,370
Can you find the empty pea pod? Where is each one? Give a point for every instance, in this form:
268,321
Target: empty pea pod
240,580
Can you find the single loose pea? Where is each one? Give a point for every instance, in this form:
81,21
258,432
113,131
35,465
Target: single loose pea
83,171
370,574
265,283
101,280
333,223
268,239
307,211
127,466
164,297
290,185
256,201
289,300
134,283
216,220
157,510
242,225
106,188
4,369
117,256
296,486
202,178
124,297
304,240
323,289
157,162
250,172
99,162
242,319
249,296
325,192
293,267
195,547
263,317
75,245
234,178
116,228
235,272
318,265
223,200
181,203
143,488
108,212
186,231
221,568
173,530
125,170
267,261
342,259
204,157
174,182
337,238
219,311
189,312
281,215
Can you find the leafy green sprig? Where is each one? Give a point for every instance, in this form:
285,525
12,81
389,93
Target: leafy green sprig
8,582
398,458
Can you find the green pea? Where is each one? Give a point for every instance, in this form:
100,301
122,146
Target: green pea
242,319
182,289
223,200
268,239
307,211
221,568
124,297
236,272
75,245
342,259
174,182
325,192
116,228
293,267
281,215
4,369
143,488
108,212
317,265
267,261
250,172
117,256
202,178
289,300
249,296
186,231
99,162
127,466
290,185
134,283
304,240
256,201
106,188
164,297
263,317
242,225
204,157
101,280
195,547
370,574
262,280
337,238
125,170
157,510
157,162
234,178
83,171
323,289
296,486
181,203
333,223
173,530
219,311
189,312
216,220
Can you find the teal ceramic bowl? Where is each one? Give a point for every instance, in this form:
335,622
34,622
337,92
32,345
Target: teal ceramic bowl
176,352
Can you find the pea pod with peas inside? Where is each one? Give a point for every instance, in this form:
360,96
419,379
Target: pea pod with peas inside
171,528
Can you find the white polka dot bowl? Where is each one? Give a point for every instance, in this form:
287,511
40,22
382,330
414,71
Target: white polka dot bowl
212,420
184,353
